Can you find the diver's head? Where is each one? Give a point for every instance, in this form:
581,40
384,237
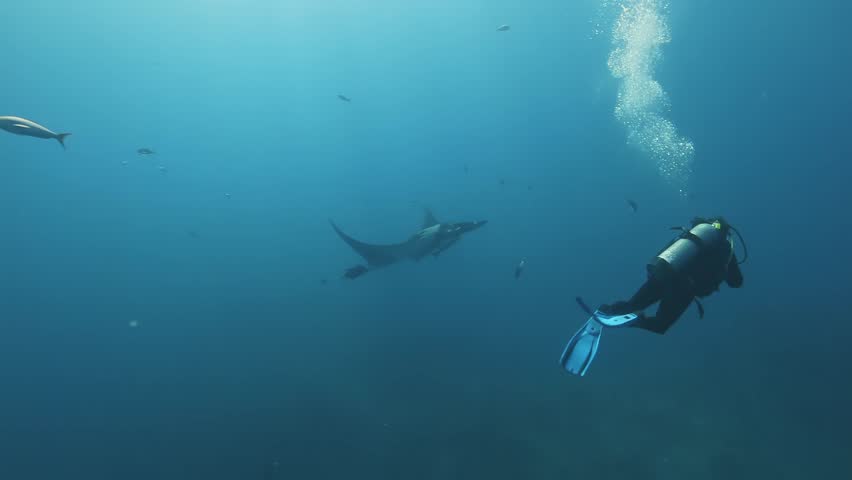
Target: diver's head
719,222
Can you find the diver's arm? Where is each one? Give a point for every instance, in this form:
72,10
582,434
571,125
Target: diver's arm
734,278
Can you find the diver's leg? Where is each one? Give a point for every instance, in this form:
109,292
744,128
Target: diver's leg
649,293
671,308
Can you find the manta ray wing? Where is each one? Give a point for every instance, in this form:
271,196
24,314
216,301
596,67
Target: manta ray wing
375,255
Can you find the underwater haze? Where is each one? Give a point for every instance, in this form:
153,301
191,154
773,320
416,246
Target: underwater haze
182,314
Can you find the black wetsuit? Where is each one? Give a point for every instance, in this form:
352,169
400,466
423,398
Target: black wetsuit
675,291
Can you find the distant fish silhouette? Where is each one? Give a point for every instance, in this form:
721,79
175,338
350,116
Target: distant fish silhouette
355,272
633,205
465,168
503,28
502,182
520,269
344,98
145,151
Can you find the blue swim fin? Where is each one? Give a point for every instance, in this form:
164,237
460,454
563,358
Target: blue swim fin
582,348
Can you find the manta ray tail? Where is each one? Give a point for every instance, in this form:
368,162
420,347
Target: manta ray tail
60,137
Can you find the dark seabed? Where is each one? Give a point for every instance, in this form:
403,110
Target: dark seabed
180,314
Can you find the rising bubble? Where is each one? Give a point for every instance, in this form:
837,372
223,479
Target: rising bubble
637,37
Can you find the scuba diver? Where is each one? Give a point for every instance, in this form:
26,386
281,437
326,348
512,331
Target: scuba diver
692,266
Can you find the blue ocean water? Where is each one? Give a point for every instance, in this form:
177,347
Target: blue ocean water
182,315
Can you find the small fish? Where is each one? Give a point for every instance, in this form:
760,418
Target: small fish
273,470
519,269
323,282
502,182
228,196
28,128
162,169
124,162
633,205
465,168
133,324
355,272
344,98
145,151
503,28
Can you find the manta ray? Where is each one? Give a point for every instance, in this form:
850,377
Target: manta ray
433,238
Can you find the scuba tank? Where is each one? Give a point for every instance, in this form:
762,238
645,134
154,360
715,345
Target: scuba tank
679,256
